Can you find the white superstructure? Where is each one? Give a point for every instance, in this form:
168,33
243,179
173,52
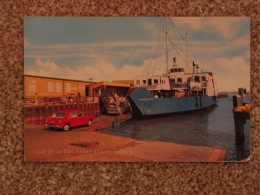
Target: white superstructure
179,83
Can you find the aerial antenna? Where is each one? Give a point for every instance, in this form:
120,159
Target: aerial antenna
187,49
167,45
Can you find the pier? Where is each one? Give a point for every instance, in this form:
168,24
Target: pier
83,144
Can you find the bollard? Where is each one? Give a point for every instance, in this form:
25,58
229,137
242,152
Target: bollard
237,101
241,93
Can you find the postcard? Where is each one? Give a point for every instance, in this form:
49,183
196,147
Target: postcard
128,89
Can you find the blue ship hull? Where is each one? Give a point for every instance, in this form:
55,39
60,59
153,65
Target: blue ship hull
144,103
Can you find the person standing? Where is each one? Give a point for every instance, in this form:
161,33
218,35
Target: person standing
36,99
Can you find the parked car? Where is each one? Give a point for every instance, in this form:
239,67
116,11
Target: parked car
65,119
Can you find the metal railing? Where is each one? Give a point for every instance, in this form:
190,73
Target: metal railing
179,85
57,100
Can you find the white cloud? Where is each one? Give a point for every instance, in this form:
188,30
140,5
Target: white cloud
195,23
228,27
102,70
231,73
46,65
46,68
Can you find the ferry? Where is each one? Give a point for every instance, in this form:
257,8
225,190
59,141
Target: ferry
178,90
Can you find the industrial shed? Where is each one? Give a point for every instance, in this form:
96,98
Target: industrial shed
55,87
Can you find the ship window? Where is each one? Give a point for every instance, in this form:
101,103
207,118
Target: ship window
172,70
179,70
173,80
203,78
155,81
149,81
179,80
197,78
144,81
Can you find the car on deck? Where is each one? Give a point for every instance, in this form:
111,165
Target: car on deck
65,119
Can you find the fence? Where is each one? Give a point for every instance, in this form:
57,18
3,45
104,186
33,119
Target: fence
40,113
57,100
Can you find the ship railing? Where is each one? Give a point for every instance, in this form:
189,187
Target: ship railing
152,87
179,85
149,86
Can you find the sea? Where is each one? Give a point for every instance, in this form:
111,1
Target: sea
211,127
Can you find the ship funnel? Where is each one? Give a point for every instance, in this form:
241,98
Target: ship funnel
174,61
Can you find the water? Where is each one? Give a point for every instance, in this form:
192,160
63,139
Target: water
212,127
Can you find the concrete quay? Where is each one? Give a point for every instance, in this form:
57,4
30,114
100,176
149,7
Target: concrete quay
44,145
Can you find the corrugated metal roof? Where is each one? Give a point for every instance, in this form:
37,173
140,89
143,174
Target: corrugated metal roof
26,75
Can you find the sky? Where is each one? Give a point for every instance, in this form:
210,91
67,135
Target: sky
122,48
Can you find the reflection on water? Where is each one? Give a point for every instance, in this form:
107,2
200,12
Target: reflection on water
211,127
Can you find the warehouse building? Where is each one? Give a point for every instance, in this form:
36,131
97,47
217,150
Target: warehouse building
58,87
55,87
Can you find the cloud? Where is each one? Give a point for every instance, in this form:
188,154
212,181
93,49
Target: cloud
228,27
227,58
46,68
117,52
195,23
231,73
101,71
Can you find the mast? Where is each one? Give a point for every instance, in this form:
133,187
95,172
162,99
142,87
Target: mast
167,45
186,49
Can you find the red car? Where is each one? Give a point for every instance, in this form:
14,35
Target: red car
65,119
